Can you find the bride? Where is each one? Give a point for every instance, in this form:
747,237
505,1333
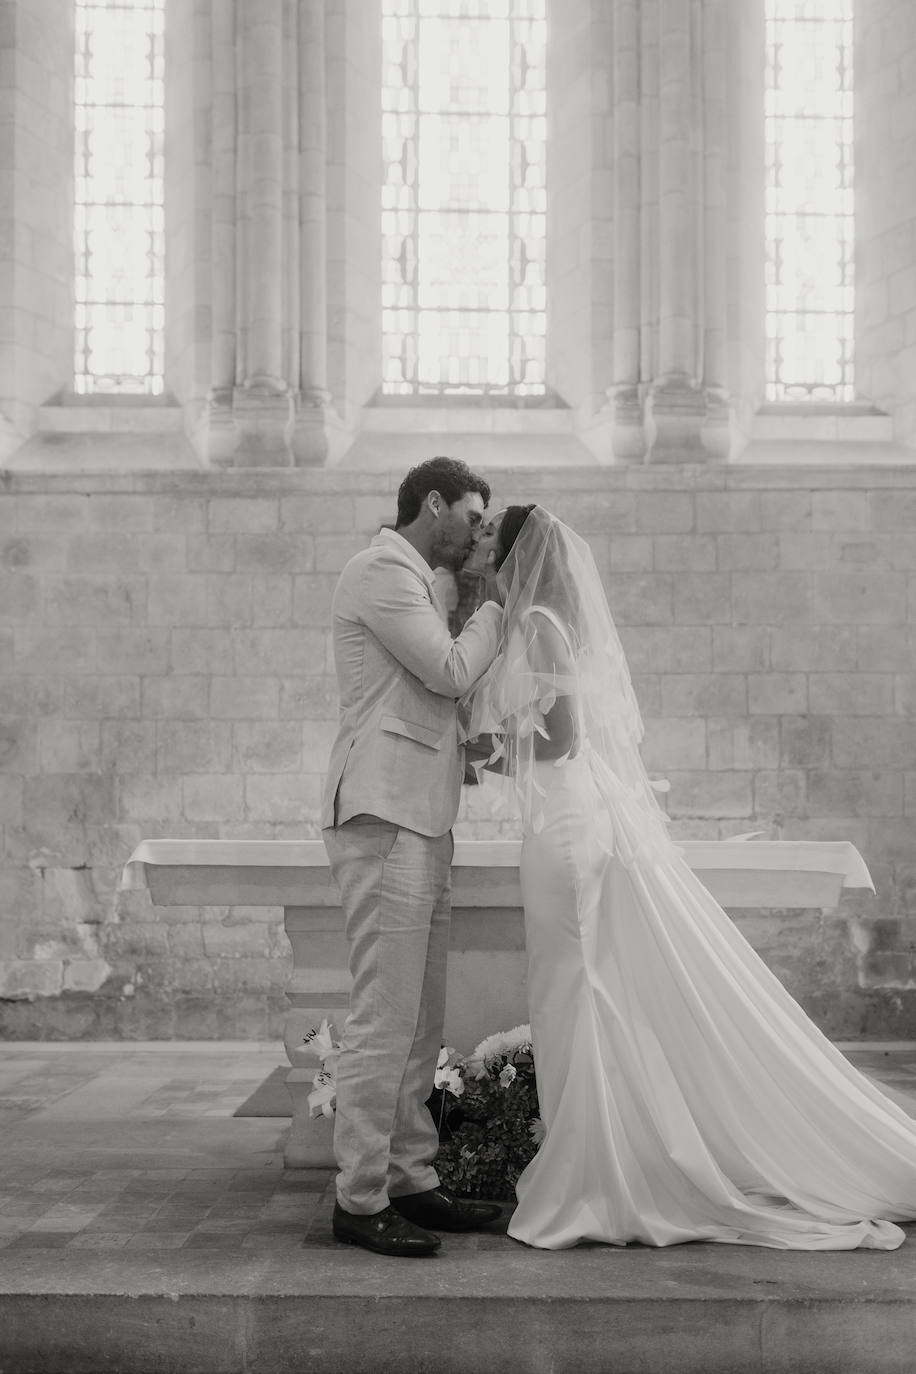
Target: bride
686,1096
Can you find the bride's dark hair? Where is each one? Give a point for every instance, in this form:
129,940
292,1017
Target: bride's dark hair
509,530
539,563
551,590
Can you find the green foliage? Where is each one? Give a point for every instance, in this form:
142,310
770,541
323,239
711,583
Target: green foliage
487,1134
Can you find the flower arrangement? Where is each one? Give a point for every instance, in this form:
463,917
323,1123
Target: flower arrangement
485,1107
492,1129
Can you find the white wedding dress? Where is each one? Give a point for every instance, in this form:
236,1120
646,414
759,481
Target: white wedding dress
686,1095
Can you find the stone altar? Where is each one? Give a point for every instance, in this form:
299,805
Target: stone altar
486,980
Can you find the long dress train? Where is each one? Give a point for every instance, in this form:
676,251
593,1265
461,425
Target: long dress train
686,1095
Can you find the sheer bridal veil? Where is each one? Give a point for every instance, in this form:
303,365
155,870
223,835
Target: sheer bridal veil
559,687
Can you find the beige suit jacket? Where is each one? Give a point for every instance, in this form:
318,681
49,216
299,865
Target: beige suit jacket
399,672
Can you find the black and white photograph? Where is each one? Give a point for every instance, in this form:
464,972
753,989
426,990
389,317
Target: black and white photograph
458,686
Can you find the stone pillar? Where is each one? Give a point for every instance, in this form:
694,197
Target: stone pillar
628,433
267,402
714,434
676,403
223,433
36,211
745,348
677,193
309,441
262,401
885,113
669,395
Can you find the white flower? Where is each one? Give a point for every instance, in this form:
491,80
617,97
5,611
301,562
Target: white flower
537,1130
322,1041
500,1046
507,1076
448,1074
451,1081
322,1099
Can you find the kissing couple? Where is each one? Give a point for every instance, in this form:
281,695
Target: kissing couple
686,1096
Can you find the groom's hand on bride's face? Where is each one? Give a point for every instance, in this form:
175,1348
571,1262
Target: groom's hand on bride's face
494,585
491,591
483,559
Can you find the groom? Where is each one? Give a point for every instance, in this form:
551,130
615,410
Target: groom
391,797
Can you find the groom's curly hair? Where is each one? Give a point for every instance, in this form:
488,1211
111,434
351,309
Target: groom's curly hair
451,478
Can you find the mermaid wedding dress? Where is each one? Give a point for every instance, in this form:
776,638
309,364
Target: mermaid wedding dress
686,1095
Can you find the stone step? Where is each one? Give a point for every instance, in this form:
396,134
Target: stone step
145,1229
697,1309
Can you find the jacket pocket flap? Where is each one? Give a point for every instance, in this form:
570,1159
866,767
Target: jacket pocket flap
393,725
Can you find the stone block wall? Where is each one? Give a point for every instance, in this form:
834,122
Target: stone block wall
166,670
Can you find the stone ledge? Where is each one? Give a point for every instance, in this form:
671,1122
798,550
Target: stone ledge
474,418
839,454
859,424
133,417
265,482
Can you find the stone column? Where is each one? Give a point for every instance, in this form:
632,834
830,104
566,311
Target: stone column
309,439
714,435
677,192
669,110
36,211
628,432
268,403
885,121
676,402
262,401
218,436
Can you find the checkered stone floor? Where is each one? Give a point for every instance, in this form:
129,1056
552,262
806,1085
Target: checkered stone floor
136,1149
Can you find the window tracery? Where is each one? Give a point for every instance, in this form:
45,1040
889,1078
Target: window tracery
810,288
119,231
464,197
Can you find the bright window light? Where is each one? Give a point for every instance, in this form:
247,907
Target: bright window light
118,212
809,201
464,197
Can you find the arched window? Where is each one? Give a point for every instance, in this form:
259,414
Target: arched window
119,229
809,201
464,197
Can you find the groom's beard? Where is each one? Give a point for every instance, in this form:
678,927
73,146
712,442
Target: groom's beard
456,560
471,564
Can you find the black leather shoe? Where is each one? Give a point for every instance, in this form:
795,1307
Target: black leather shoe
385,1233
440,1209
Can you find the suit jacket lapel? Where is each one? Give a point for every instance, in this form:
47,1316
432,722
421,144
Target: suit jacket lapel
406,553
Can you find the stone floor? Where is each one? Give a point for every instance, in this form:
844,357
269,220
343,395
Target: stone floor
144,1228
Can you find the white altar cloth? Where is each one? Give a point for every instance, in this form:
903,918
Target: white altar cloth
739,872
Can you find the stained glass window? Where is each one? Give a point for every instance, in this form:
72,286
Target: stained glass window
809,200
464,197
119,231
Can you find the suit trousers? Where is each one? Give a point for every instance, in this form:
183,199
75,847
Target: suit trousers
395,890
